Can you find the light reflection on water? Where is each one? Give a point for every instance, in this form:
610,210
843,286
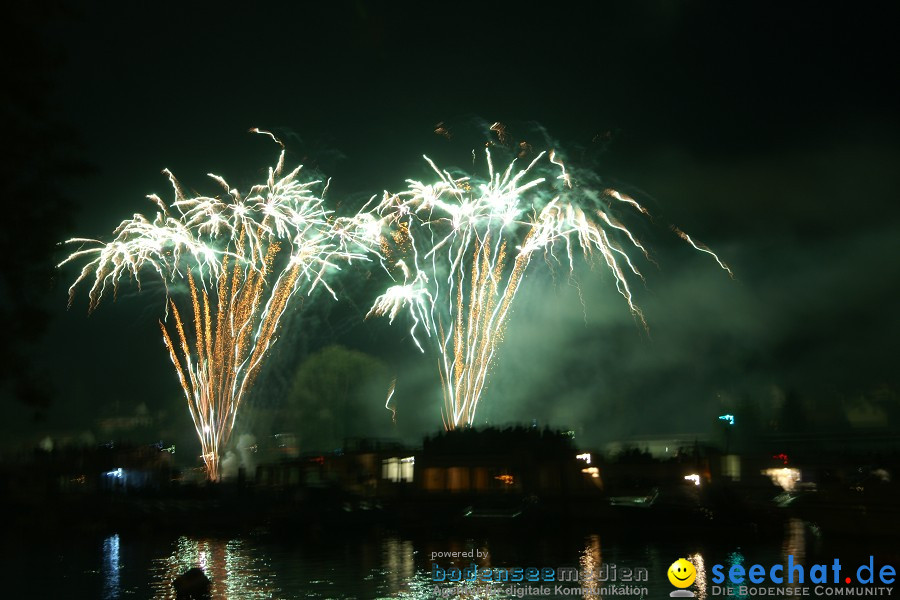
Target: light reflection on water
239,570
234,571
700,581
399,563
111,567
795,540
590,564
735,558
398,567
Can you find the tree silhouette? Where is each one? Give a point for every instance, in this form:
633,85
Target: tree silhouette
334,394
39,157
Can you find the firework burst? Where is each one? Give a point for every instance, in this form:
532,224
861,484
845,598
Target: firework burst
458,250
242,258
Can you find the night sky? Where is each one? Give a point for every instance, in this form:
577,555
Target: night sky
768,131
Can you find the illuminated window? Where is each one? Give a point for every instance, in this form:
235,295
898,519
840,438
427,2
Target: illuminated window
457,478
407,467
731,467
390,469
398,469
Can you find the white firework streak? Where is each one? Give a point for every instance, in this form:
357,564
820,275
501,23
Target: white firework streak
251,254
463,249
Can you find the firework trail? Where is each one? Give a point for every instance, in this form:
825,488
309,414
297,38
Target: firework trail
387,403
243,258
458,250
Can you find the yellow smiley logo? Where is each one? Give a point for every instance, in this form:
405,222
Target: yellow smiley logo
682,573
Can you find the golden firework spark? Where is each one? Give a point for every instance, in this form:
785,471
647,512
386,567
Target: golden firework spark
462,249
243,259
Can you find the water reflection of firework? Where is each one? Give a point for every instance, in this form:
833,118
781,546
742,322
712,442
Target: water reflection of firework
234,571
591,560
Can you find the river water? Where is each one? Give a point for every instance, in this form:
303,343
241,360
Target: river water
386,565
